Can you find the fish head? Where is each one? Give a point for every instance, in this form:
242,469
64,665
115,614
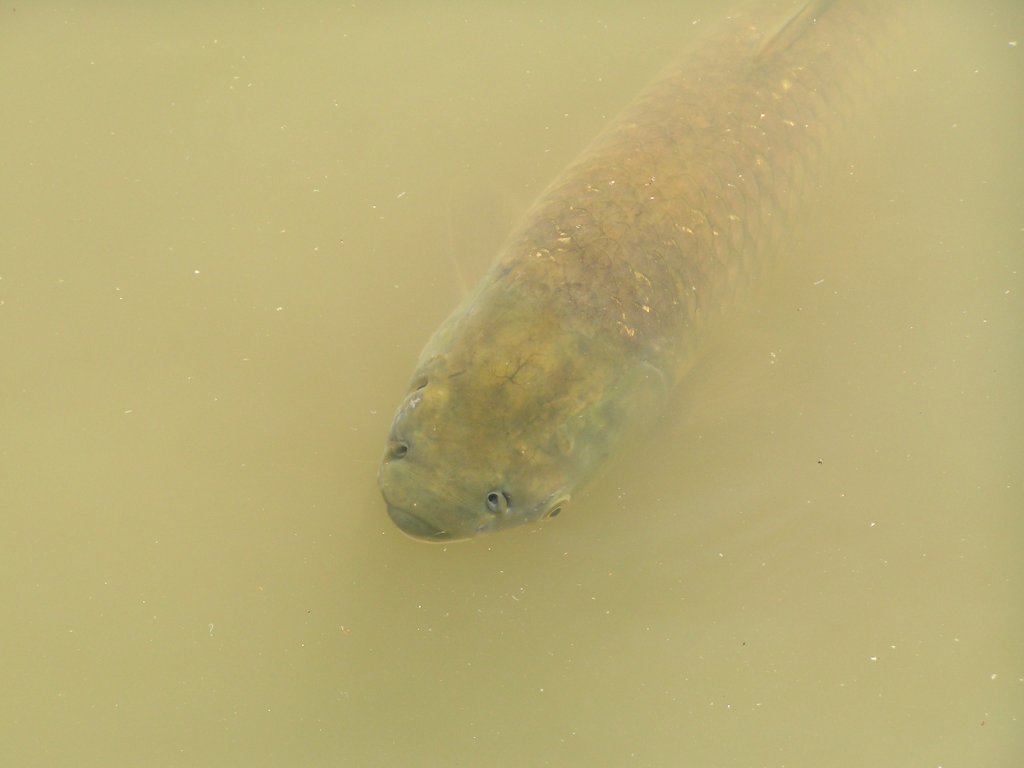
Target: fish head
507,414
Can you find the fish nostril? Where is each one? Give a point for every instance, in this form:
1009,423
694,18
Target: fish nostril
420,383
498,502
397,449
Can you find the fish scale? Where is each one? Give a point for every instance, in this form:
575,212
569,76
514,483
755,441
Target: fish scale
608,286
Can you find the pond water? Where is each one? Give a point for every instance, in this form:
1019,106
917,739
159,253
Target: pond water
227,233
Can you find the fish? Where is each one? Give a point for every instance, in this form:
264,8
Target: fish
602,297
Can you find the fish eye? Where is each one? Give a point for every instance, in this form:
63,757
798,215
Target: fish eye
498,502
555,510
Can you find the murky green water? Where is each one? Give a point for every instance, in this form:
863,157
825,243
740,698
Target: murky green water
226,234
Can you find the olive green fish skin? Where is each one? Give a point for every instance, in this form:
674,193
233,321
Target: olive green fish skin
603,293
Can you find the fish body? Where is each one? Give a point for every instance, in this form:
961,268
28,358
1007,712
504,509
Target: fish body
605,290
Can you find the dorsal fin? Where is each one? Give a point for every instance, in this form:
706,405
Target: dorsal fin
791,29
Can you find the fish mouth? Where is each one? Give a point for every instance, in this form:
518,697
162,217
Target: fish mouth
416,527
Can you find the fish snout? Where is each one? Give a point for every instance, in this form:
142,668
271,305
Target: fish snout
415,527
